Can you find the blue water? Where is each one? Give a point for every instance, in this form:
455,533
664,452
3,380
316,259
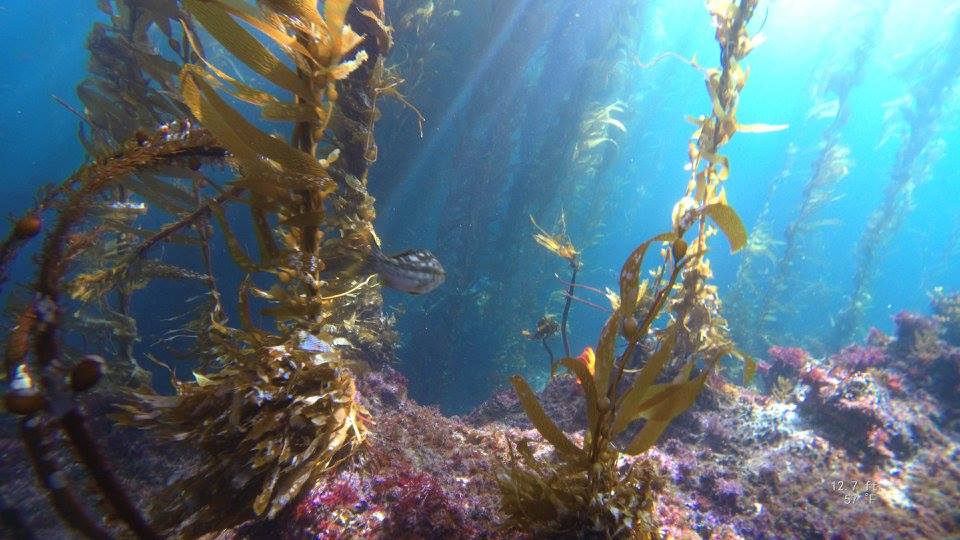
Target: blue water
461,330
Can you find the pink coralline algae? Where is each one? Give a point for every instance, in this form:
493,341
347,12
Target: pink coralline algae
793,358
421,508
918,337
859,358
740,464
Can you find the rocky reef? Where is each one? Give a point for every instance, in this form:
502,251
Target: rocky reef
846,446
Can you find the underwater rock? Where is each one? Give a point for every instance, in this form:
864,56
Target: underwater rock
562,399
946,308
927,362
859,358
918,337
740,466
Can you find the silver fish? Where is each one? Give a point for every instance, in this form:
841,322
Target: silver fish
416,271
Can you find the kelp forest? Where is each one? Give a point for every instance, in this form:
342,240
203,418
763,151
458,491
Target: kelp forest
485,269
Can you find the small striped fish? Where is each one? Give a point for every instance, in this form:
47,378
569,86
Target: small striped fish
416,271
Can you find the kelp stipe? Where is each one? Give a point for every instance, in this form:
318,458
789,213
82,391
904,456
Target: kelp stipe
43,390
282,409
583,492
560,245
920,148
271,409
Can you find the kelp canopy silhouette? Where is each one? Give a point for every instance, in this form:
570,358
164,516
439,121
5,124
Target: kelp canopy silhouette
270,408
920,148
583,492
768,279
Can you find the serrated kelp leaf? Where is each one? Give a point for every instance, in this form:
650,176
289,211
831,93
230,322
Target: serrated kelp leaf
605,350
666,406
629,297
669,393
304,10
239,135
246,48
263,232
538,417
616,123
749,365
761,128
628,408
646,437
304,220
685,370
263,499
266,186
290,487
335,13
729,222
631,271
589,386
159,68
292,112
251,15
720,162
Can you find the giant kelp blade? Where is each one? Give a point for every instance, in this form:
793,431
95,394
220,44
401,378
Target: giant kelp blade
647,437
335,13
729,222
246,47
550,431
631,270
669,404
605,350
304,220
749,365
239,135
629,405
579,369
233,244
304,10
251,15
629,297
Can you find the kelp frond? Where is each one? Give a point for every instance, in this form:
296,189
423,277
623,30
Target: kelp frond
271,408
583,490
558,244
277,416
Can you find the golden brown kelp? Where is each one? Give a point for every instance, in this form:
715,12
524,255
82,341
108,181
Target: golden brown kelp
271,408
42,389
584,492
560,245
703,330
131,89
919,149
281,408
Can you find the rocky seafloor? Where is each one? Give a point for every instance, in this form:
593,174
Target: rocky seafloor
860,444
